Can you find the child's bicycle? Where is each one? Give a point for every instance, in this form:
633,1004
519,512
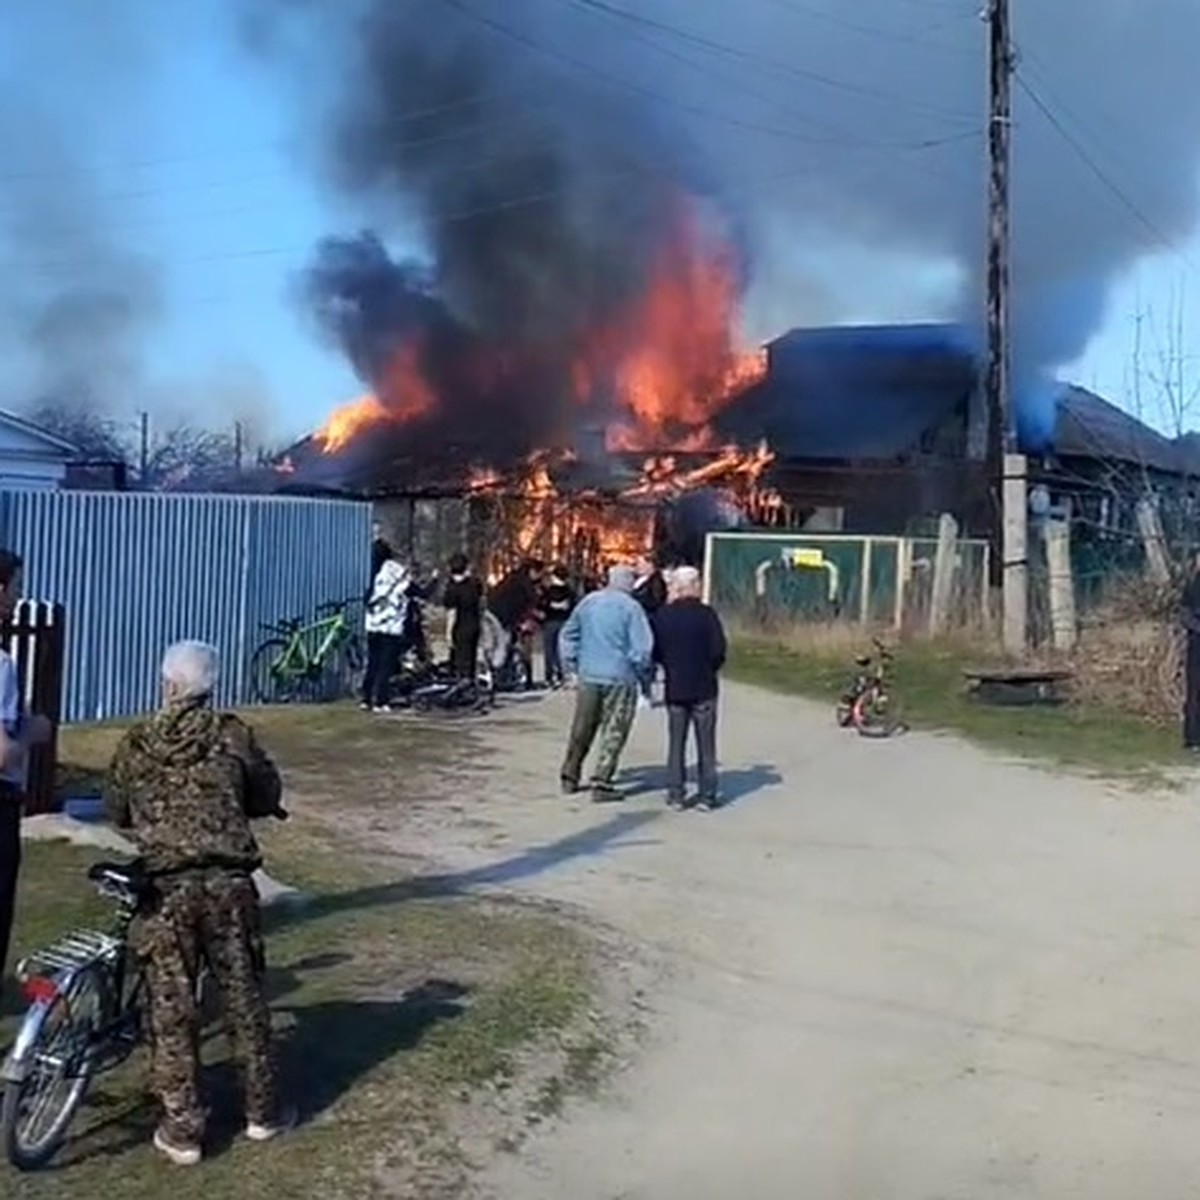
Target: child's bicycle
87,997
868,704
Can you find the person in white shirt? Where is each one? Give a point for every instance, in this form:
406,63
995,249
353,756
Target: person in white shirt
386,624
19,733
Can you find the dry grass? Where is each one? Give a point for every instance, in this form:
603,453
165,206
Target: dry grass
397,997
1093,732
1130,651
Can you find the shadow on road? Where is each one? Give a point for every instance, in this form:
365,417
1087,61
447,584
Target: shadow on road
737,783
593,842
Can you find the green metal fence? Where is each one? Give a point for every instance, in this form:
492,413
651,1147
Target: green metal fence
839,577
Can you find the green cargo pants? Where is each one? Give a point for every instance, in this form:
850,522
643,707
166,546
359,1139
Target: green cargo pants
607,710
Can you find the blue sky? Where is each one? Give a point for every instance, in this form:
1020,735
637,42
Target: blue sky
194,165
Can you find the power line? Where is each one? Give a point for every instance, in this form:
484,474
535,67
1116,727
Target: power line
516,202
1094,167
716,47
917,37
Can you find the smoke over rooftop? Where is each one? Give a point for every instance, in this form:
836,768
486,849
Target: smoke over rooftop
535,155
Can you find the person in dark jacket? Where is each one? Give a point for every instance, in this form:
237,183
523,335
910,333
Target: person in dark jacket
650,590
463,597
558,602
515,598
1191,675
690,646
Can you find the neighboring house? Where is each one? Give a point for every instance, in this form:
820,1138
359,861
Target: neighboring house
877,429
31,457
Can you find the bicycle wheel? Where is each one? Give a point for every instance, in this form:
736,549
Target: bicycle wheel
269,683
348,667
48,1073
875,715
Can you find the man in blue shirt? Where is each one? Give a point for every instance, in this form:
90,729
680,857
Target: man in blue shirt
607,644
19,733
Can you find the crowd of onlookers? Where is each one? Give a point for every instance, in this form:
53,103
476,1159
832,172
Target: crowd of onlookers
186,782
612,641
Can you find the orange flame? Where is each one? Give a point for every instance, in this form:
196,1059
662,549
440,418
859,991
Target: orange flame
661,370
409,397
677,362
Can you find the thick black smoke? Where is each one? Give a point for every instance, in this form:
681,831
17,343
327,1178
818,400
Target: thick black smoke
529,149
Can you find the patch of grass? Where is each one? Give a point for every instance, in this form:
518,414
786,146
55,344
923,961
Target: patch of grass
391,1005
930,690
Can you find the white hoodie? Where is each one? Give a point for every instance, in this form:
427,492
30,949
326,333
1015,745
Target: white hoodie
388,607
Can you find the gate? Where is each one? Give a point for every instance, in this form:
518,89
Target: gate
35,640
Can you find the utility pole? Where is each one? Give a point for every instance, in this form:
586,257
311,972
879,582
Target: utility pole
144,450
237,446
1005,468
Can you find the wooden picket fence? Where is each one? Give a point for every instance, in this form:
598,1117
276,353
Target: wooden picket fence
36,638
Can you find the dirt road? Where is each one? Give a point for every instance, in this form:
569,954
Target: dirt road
894,971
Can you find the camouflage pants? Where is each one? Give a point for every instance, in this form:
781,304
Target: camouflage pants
209,918
607,710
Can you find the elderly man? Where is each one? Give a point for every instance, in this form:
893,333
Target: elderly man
608,645
186,783
689,643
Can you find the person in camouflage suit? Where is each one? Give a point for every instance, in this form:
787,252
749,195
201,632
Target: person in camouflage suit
186,783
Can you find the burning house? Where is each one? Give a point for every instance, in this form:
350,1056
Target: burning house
599,442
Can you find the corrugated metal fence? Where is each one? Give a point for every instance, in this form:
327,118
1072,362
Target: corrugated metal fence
137,572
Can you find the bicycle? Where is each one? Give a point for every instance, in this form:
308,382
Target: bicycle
286,666
86,1000
86,1016
868,705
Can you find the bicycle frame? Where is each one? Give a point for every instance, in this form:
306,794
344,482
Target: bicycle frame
58,971
297,660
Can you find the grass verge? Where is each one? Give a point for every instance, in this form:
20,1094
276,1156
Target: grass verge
930,688
393,1007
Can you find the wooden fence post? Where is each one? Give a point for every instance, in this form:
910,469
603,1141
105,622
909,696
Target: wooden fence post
1154,542
35,638
943,574
1057,534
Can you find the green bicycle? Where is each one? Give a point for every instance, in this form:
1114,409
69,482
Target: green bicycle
314,660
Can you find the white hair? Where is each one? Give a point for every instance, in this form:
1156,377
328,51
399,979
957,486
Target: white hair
686,579
191,668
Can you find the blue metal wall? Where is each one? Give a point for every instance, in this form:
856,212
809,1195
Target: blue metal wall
137,572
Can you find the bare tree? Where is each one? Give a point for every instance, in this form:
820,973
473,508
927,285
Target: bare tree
180,457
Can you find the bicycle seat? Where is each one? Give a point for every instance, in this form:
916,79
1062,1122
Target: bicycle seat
862,660
123,879
286,625
325,610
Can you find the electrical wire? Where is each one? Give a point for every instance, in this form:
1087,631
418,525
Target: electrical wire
516,202
790,69
1094,167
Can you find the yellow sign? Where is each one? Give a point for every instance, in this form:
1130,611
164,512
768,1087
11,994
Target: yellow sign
804,557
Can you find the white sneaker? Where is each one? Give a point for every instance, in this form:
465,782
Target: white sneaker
268,1133
181,1156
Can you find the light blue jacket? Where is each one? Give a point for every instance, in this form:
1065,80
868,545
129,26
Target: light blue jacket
607,639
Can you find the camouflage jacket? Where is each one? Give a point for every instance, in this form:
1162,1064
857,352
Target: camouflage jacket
186,782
